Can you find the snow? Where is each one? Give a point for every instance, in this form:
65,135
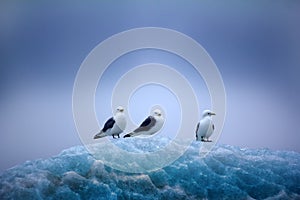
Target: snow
227,172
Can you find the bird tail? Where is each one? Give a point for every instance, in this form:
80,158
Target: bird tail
99,135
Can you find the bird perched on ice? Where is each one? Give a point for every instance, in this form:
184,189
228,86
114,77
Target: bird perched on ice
151,125
205,127
114,125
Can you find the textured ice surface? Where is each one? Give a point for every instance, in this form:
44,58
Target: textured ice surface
225,173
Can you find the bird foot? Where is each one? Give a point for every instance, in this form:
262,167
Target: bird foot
202,140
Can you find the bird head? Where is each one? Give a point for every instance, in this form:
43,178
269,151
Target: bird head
120,109
157,112
207,113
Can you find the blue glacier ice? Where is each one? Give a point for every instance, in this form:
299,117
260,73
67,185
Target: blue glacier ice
227,172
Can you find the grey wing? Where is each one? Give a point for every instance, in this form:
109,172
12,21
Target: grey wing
197,127
197,130
109,124
146,125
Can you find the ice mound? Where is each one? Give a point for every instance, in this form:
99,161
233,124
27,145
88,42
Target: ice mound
227,172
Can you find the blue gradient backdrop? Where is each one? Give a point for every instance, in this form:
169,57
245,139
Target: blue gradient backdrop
255,44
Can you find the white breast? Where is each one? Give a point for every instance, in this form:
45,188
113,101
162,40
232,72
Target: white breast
120,120
206,127
158,124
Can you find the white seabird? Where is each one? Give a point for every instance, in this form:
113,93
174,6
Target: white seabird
205,127
150,125
114,125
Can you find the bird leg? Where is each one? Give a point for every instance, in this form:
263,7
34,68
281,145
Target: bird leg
113,136
118,135
202,139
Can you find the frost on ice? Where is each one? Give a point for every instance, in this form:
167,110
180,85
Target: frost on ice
225,173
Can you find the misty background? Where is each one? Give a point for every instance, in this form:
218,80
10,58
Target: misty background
255,45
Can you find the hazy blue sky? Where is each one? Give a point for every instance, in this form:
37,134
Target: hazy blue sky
255,44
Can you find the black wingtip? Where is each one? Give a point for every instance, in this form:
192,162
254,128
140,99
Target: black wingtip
99,135
127,135
96,137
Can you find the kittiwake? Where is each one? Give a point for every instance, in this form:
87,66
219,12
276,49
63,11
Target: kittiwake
150,125
205,127
114,125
